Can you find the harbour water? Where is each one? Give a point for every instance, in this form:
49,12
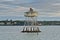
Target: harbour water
14,33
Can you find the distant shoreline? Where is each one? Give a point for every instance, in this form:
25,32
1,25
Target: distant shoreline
21,23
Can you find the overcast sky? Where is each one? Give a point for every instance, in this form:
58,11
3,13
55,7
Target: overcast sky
14,9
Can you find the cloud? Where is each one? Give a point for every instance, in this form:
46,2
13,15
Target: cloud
50,15
19,9
56,15
45,8
6,0
4,6
56,4
7,10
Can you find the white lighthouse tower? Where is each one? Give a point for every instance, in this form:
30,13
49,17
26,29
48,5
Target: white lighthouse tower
30,24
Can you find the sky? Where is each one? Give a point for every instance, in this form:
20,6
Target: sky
14,9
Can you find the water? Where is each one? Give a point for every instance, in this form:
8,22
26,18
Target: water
14,33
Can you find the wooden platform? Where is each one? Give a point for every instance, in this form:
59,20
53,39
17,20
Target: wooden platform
30,30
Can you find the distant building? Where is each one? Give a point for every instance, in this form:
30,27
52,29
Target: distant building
1,23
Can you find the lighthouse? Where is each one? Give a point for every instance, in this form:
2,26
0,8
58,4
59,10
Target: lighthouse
30,23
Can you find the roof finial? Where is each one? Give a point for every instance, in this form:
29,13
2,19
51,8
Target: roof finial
31,9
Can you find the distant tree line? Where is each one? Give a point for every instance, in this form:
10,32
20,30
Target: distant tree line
49,22
21,23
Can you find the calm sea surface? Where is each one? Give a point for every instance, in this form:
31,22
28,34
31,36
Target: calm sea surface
14,33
